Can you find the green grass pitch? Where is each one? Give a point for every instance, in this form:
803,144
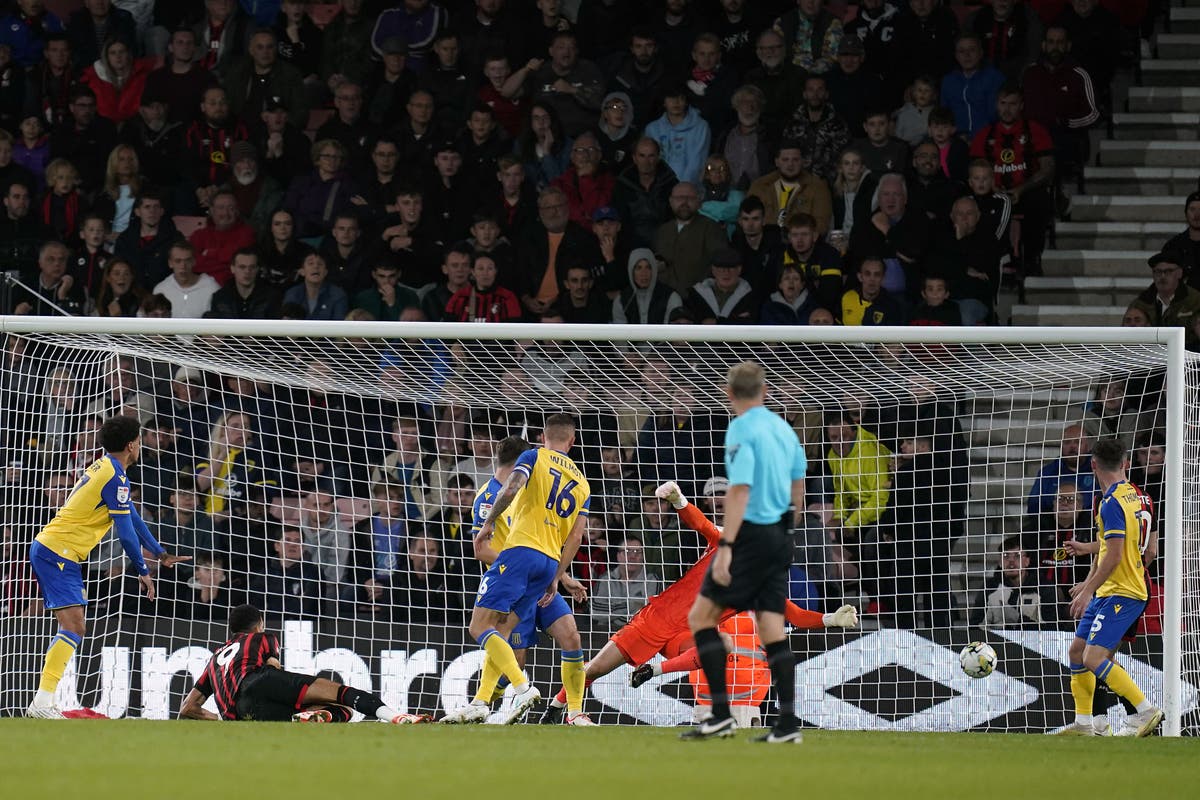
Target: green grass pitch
142,759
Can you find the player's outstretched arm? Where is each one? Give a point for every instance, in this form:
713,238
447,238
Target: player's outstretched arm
689,515
193,707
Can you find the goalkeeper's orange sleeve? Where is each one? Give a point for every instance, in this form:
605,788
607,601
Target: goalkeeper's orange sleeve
694,518
802,618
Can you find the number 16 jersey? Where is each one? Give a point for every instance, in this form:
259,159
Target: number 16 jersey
555,495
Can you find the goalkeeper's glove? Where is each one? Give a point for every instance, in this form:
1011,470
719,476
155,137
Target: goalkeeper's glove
844,617
670,492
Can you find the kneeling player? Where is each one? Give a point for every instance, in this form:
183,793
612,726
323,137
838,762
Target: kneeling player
249,684
661,627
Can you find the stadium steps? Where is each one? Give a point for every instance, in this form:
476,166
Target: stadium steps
1170,71
1157,125
1017,429
1178,181
1183,19
1067,315
1117,236
1153,153
1126,208
1168,99
1095,264
1177,45
1087,291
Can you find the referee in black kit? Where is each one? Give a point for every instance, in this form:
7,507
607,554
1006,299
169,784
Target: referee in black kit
765,465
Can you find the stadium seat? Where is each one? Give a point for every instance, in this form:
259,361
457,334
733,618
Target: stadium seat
323,13
188,225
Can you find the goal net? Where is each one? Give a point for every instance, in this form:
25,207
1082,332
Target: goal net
326,473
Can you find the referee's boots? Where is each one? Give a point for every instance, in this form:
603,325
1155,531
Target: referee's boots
711,728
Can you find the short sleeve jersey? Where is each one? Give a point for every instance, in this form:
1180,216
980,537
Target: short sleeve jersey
555,495
100,494
241,656
763,452
481,509
1123,521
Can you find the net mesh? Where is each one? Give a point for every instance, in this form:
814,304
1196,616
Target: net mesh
330,481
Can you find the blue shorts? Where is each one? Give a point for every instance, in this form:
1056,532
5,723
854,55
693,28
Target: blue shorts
515,582
61,578
525,634
1107,619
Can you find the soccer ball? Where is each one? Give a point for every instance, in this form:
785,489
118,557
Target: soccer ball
977,659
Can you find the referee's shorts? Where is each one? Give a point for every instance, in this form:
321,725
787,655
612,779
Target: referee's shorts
762,557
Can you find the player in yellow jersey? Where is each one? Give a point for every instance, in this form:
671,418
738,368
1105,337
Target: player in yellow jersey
1119,588
99,501
548,520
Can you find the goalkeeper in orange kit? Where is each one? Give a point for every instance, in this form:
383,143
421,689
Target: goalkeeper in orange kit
661,628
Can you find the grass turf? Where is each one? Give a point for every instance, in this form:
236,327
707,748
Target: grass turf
137,758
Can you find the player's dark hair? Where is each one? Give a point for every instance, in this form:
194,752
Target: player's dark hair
509,450
244,619
1109,454
117,432
559,424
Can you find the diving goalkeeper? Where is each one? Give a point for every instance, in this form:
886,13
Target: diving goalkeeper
662,627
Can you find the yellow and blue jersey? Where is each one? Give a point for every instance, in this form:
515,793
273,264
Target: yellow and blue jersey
481,509
555,495
1123,521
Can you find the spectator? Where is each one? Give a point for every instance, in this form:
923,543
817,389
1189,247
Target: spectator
1096,32
645,301
1060,97
91,254
1011,33
852,192
182,81
61,209
640,73
405,466
687,242
27,29
223,33
587,184
812,35
299,41
953,152
448,82
97,22
540,28
118,79
456,272
328,542
204,597
1013,596
614,250
316,199
791,303
345,45
83,135
233,463
1073,466
894,233
625,588
858,463
1067,521
51,288
1169,302
425,590
923,41
291,587
50,81
853,89
931,193
911,122
257,194
780,81
209,141
122,184
280,253
183,527
616,131
580,302
721,201
971,90
157,142
682,134
643,190
451,525
1148,470
548,248
875,26
746,143
880,152
389,85
936,308
284,150
821,133
483,300
144,243
417,22
345,253
30,152
246,296
320,298
675,27
481,145
1185,246
119,294
350,126
543,147
388,298
968,255
21,233
409,238
574,87
216,242
711,84
995,208
1022,156
759,243
818,262
870,303
791,188
724,297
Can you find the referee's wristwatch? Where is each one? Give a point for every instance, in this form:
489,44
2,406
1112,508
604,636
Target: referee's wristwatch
724,543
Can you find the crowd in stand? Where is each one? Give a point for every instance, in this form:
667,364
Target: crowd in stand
692,161
686,162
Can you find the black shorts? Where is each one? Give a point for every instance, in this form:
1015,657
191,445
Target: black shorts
762,557
272,695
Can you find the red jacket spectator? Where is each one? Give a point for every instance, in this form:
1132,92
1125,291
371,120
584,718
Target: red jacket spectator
216,242
495,305
117,104
585,193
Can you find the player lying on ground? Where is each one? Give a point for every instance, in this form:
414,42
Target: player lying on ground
1114,594
555,618
99,502
661,628
249,684
550,499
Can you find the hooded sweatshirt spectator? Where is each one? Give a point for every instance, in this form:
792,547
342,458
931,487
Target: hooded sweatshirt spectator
683,136
645,301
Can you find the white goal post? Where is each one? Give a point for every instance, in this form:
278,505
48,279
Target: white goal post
991,403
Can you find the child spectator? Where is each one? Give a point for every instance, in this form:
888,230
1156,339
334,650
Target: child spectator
953,152
881,152
483,301
119,295
32,149
853,192
936,307
486,238
912,120
792,303
319,298
90,255
61,207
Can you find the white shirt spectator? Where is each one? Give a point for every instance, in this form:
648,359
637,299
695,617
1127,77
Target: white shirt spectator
190,302
625,588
